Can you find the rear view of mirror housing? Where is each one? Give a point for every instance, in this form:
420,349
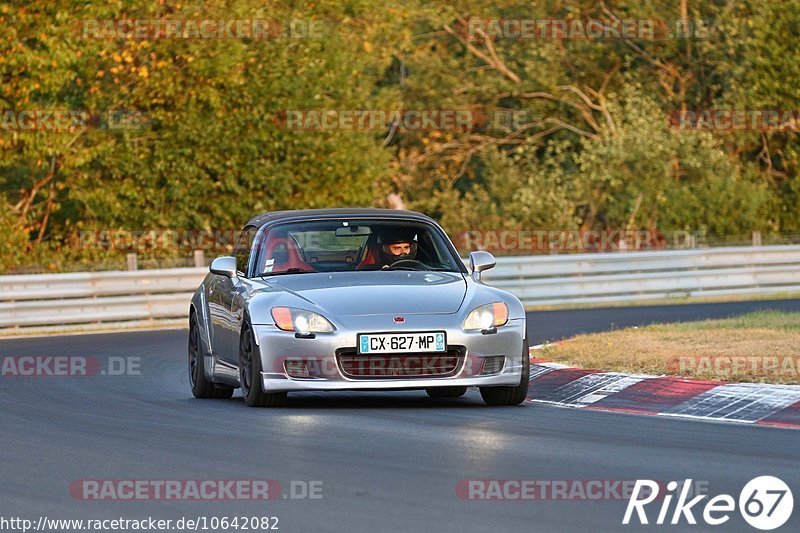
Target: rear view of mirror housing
480,261
224,266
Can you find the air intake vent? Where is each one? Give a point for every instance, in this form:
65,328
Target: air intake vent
493,364
388,366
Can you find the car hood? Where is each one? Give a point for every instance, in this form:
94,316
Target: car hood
377,292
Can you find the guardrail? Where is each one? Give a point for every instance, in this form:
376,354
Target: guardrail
637,276
66,301
96,297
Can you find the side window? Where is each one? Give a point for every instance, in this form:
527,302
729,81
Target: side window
242,249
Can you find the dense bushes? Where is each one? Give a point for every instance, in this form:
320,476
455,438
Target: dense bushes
190,133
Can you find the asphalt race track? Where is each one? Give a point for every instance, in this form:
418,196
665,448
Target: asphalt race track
387,461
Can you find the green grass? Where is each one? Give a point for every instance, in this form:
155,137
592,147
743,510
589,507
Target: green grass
761,347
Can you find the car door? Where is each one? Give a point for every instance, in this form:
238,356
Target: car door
227,302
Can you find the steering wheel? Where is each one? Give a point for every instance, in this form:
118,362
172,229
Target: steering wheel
411,262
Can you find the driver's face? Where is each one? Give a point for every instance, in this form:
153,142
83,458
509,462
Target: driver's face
400,248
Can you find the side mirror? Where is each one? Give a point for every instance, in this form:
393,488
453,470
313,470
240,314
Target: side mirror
480,261
224,266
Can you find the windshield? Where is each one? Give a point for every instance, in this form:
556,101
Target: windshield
344,245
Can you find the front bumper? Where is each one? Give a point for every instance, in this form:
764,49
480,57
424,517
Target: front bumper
277,347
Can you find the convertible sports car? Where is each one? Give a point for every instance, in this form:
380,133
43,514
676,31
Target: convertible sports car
353,299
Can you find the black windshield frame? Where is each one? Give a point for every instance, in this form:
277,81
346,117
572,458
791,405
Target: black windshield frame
440,239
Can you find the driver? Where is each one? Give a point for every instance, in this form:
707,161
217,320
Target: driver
397,245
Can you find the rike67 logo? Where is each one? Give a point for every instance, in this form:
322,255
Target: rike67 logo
766,503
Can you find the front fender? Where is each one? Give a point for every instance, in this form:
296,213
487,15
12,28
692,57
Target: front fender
199,307
480,294
259,306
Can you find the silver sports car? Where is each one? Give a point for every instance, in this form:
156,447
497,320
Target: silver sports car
353,299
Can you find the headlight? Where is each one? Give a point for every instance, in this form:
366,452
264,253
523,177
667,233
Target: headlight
487,316
300,320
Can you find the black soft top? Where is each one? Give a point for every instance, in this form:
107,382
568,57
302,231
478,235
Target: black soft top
301,214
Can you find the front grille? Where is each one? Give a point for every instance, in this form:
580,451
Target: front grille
493,364
388,366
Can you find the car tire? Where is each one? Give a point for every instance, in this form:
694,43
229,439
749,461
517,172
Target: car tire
201,387
511,395
250,373
446,392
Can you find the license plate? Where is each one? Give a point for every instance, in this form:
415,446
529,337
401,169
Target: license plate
423,342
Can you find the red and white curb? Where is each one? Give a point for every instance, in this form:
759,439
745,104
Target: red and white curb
751,403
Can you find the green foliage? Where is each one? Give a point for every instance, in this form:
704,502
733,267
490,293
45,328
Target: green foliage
14,243
591,149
